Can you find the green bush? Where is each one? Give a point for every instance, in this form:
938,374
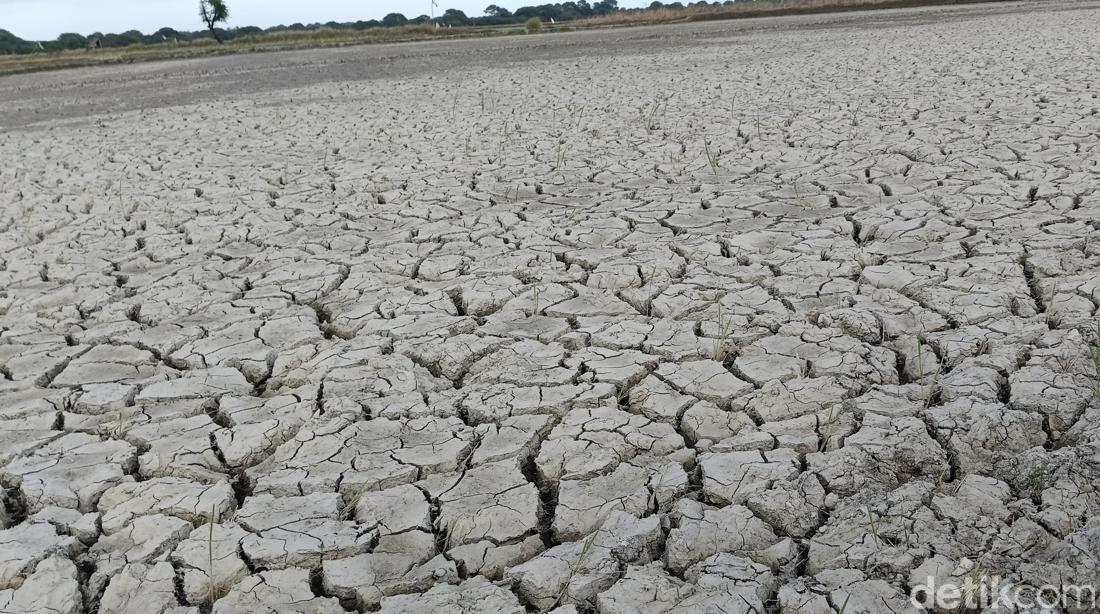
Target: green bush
533,24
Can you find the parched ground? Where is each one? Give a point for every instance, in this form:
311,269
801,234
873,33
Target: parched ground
782,316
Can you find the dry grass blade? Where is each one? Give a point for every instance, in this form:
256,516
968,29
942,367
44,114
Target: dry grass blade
713,156
573,571
1096,358
211,583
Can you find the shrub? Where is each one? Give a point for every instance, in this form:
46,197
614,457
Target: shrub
533,24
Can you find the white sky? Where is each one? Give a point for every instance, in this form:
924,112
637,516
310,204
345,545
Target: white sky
45,19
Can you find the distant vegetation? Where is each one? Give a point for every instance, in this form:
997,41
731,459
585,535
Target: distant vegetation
70,49
215,12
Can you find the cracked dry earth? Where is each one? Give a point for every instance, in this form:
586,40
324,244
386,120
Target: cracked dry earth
782,320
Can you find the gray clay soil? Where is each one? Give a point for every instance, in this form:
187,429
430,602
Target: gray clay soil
775,316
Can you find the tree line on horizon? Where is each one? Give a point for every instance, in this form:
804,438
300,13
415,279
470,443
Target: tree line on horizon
494,16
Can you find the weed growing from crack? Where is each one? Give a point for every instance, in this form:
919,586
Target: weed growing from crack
211,584
725,325
488,101
933,388
573,569
920,358
120,428
442,537
1054,320
983,347
624,396
943,477
1067,361
833,420
1037,479
970,595
353,502
934,384
872,523
713,156
651,116
1096,358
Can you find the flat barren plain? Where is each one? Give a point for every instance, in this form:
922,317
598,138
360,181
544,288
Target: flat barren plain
786,316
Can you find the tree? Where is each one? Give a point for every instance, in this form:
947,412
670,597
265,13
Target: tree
70,40
129,37
212,13
605,6
454,17
496,11
10,43
167,34
394,19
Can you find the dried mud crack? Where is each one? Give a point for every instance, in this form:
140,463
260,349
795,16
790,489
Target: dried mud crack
782,318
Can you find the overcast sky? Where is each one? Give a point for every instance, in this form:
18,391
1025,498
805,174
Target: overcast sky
45,19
